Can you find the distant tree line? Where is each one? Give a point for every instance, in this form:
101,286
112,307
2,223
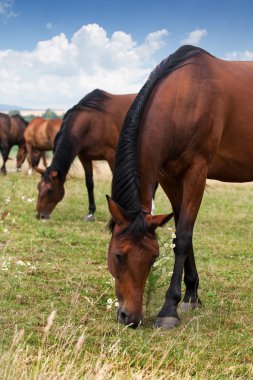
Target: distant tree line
48,114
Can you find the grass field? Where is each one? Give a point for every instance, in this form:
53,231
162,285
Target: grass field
57,309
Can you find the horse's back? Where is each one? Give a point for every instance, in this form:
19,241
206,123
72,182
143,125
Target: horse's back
205,109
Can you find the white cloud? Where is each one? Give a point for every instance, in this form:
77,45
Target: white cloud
6,9
49,25
240,56
60,71
194,37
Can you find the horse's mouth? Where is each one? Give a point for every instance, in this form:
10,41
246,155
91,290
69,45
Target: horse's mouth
43,216
128,320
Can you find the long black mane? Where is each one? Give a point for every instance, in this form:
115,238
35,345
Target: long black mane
125,189
20,118
64,143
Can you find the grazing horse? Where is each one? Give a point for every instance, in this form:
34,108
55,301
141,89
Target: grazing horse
40,135
90,130
192,120
11,133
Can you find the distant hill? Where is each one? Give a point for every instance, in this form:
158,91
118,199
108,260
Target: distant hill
8,107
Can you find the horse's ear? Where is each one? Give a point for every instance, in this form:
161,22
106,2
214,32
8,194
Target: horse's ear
158,220
39,170
115,211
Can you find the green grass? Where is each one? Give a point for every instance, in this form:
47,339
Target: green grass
60,265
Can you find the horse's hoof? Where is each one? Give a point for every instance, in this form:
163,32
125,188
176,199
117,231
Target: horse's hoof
166,322
89,218
187,306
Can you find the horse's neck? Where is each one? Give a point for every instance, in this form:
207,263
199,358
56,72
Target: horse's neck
65,153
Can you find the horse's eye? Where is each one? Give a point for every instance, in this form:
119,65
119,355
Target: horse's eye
120,258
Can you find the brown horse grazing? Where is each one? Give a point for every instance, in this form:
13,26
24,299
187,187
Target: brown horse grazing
192,120
11,133
90,130
40,135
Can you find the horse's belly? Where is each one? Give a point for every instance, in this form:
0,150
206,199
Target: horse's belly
231,169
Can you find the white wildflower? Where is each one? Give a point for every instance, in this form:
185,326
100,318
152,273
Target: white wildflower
20,262
172,245
6,230
109,301
173,235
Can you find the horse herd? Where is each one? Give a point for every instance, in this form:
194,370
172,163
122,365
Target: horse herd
192,120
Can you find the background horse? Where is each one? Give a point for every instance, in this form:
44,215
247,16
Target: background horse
192,120
36,156
90,130
40,135
11,133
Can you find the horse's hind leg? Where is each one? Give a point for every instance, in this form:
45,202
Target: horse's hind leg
87,165
29,157
193,189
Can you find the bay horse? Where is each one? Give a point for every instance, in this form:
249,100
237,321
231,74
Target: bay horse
192,120
90,130
39,135
11,133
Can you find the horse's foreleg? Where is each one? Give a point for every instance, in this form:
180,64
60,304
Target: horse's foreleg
192,192
43,155
5,153
87,165
29,157
191,300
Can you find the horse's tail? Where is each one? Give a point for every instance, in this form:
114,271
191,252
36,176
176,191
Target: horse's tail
125,161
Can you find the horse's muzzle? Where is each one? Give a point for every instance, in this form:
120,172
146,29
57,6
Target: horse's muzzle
43,216
128,319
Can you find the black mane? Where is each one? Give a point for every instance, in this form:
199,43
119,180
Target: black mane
125,189
64,143
18,116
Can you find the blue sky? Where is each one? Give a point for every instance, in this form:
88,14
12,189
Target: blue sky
53,52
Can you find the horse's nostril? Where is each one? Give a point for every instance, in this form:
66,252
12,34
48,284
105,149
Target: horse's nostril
123,317
42,216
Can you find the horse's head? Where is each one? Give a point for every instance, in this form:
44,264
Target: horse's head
130,259
51,191
21,155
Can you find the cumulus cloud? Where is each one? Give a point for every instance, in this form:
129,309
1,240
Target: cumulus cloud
194,37
240,56
60,71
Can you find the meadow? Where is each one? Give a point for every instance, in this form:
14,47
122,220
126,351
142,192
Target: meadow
57,304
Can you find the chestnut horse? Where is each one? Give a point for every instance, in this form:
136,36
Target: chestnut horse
192,120
11,133
40,135
90,130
